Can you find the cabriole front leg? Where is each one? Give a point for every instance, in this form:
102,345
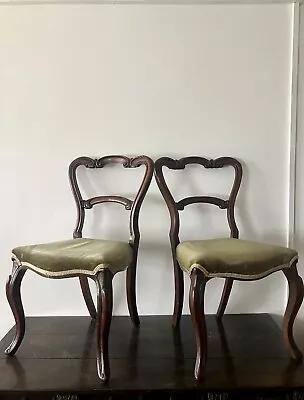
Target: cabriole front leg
14,298
295,299
196,303
104,317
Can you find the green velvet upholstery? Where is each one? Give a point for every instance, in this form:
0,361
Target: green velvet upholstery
75,256
233,258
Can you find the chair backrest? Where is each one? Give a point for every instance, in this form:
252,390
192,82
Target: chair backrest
175,207
131,205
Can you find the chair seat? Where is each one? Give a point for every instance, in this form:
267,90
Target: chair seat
235,258
73,257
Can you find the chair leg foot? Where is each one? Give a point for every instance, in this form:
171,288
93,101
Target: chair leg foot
131,294
14,298
224,299
179,295
104,316
196,302
85,288
295,299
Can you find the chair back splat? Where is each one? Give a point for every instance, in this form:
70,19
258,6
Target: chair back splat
131,205
175,207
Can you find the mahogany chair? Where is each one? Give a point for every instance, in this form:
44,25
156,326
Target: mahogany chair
229,258
86,258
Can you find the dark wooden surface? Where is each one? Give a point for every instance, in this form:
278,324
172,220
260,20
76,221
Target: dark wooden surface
58,358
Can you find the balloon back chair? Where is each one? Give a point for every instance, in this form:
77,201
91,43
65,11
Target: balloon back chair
86,258
229,258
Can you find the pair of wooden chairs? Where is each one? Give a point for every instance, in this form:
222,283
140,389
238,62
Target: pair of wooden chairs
229,258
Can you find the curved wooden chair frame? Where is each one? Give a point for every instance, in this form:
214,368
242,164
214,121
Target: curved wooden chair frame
198,279
103,279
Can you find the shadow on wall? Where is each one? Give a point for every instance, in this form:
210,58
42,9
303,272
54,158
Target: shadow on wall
155,271
299,245
155,285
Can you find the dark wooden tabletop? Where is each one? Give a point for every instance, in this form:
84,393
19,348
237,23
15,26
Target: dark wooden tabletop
58,356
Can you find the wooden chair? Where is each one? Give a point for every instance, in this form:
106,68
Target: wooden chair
86,258
229,258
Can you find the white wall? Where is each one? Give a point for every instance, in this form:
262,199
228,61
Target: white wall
161,80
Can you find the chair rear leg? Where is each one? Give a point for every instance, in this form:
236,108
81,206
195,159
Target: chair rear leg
104,317
196,303
14,298
131,292
224,299
85,288
179,294
295,299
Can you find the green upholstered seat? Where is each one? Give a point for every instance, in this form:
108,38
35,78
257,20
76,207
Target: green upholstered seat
75,256
233,258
